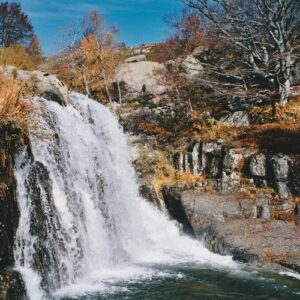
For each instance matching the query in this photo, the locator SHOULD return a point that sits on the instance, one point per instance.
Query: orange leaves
(13, 107)
(151, 128)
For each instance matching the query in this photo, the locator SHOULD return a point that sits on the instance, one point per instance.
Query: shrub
(14, 108)
(288, 112)
(153, 129)
(18, 57)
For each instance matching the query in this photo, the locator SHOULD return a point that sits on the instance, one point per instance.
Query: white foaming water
(82, 223)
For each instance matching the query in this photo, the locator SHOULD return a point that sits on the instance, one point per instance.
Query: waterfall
(82, 221)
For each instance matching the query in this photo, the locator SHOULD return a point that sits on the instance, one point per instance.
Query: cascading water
(82, 222)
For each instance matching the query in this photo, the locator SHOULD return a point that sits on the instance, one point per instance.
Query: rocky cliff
(11, 141)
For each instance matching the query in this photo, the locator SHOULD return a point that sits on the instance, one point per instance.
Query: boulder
(243, 101)
(201, 53)
(141, 77)
(233, 159)
(135, 59)
(238, 118)
(42, 84)
(258, 165)
(280, 166)
(188, 65)
(192, 66)
(230, 225)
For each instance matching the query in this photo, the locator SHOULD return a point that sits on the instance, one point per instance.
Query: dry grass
(288, 112)
(273, 137)
(14, 108)
(17, 56)
(216, 131)
(175, 178)
(156, 166)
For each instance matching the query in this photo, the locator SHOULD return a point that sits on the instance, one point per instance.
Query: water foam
(93, 227)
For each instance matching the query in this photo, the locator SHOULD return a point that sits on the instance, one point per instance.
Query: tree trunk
(285, 91)
(285, 75)
(86, 84)
(119, 92)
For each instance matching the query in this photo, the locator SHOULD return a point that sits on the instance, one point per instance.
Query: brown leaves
(14, 108)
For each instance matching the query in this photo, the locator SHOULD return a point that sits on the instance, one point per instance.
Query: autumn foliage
(14, 108)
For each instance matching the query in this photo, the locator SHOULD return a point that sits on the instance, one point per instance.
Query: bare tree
(265, 33)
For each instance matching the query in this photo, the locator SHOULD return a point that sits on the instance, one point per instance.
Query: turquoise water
(188, 282)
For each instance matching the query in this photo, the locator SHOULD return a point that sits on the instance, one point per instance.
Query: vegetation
(89, 59)
(156, 166)
(15, 26)
(15, 110)
(18, 57)
(264, 34)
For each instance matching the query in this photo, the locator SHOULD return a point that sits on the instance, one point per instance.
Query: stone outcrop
(235, 225)
(225, 167)
(40, 84)
(141, 77)
(11, 285)
(190, 66)
(11, 139)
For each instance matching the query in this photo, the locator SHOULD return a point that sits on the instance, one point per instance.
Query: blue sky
(139, 21)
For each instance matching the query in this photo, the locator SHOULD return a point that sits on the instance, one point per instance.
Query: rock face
(141, 77)
(225, 167)
(233, 225)
(42, 84)
(11, 140)
(11, 285)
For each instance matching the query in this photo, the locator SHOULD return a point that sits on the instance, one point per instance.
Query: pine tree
(15, 26)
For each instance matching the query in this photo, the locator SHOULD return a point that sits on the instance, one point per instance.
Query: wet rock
(258, 165)
(11, 139)
(12, 286)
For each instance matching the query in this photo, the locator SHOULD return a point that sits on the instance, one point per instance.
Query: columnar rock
(258, 165)
(233, 159)
(280, 168)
